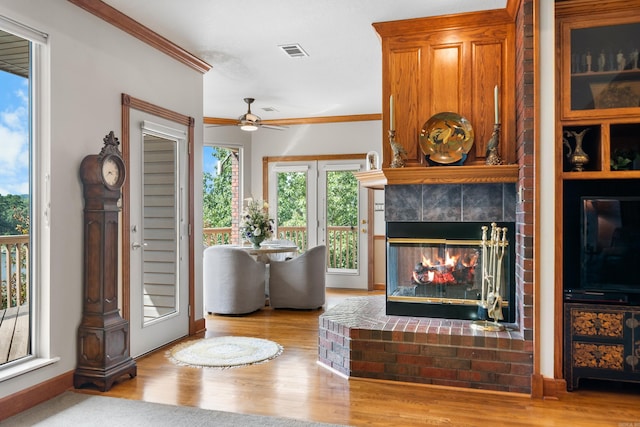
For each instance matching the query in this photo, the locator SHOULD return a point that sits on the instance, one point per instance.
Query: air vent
(293, 50)
(269, 109)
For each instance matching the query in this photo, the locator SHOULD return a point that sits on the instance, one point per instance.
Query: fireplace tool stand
(493, 250)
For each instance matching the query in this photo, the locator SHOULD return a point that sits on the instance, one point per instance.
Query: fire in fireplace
(436, 270)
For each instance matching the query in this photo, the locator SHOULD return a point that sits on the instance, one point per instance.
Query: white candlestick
(392, 118)
(495, 103)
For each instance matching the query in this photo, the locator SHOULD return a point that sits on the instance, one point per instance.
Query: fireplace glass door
(438, 271)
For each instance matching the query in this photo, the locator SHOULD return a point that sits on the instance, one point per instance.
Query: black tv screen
(610, 244)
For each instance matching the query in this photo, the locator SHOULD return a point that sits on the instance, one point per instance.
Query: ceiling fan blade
(274, 127)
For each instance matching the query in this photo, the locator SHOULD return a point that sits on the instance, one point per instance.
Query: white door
(326, 199)
(159, 236)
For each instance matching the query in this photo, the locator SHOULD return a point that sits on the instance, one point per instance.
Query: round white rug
(224, 352)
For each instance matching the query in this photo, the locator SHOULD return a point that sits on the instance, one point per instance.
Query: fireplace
(435, 268)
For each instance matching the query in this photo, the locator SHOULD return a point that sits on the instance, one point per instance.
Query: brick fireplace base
(357, 338)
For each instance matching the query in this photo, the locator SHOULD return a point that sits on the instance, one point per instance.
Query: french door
(320, 202)
(159, 252)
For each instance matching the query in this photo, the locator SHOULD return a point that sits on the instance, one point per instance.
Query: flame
(426, 262)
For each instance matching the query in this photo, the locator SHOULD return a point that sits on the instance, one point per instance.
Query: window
(23, 195)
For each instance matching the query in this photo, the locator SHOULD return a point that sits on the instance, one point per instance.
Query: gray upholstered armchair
(299, 282)
(234, 282)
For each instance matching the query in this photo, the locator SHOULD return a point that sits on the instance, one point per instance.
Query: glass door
(321, 203)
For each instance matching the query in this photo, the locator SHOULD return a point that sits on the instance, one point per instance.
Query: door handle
(136, 245)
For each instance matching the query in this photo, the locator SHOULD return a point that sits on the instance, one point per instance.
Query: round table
(262, 254)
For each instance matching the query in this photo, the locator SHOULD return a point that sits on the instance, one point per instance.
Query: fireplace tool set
(493, 251)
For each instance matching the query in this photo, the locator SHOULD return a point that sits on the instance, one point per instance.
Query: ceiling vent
(293, 50)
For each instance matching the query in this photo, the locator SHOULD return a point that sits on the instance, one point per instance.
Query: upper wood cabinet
(598, 84)
(599, 69)
(450, 63)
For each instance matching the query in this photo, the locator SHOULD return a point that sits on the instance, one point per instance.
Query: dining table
(262, 253)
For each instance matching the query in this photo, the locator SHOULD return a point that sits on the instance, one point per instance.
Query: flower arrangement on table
(256, 225)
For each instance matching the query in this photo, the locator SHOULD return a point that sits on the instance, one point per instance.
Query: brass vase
(577, 157)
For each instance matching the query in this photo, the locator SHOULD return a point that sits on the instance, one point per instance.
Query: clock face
(111, 171)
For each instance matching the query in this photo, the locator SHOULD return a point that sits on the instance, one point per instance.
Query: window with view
(18, 181)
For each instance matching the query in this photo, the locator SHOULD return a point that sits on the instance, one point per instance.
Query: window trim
(40, 195)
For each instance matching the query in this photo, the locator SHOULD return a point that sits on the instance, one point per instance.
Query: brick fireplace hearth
(358, 338)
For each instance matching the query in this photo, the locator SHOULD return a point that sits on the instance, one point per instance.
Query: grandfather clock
(103, 335)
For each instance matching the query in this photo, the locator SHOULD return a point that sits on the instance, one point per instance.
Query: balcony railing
(14, 272)
(342, 242)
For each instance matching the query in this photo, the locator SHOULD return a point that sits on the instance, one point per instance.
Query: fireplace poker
(484, 264)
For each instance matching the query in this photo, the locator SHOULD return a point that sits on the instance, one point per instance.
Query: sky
(14, 134)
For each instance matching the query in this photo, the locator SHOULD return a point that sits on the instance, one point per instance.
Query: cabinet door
(600, 70)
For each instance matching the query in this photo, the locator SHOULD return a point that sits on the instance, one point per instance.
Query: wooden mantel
(475, 174)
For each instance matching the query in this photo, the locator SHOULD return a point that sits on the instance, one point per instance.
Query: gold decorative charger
(446, 138)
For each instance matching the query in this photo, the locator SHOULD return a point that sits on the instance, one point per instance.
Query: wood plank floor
(14, 333)
(295, 386)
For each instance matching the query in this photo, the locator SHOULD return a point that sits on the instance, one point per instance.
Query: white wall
(91, 64)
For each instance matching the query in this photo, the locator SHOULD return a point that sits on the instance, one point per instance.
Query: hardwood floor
(295, 386)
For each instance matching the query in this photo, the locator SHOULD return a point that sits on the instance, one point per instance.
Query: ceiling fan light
(249, 127)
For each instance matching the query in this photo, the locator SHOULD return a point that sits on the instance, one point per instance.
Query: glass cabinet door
(601, 70)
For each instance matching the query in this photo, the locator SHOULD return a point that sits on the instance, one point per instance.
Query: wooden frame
(370, 237)
(129, 102)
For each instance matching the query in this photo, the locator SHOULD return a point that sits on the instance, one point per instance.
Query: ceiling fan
(250, 122)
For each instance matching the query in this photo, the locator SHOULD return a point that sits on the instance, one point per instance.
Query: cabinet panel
(601, 341)
(484, 74)
(404, 78)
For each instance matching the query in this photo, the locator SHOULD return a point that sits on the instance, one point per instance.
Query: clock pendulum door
(103, 335)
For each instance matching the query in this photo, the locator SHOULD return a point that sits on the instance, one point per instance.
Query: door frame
(128, 103)
(327, 157)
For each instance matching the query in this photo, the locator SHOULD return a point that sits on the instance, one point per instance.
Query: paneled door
(320, 202)
(159, 238)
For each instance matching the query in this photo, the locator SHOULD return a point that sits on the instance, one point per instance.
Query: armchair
(234, 282)
(299, 282)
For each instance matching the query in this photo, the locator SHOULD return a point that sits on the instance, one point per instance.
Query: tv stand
(602, 341)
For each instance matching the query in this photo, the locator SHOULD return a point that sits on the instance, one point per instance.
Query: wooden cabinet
(599, 86)
(601, 341)
(451, 63)
(597, 109)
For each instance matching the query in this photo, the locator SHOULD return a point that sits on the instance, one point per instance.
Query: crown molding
(139, 31)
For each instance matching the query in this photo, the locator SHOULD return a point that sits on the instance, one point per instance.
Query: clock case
(103, 335)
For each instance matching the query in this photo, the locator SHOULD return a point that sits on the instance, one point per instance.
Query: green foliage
(14, 215)
(216, 197)
(342, 199)
(292, 199)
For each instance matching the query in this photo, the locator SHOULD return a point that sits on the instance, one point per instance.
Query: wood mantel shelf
(476, 174)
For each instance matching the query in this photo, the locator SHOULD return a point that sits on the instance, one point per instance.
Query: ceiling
(240, 39)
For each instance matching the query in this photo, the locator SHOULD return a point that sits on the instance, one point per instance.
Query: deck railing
(342, 242)
(14, 272)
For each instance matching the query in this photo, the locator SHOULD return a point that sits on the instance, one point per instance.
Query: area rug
(224, 352)
(75, 409)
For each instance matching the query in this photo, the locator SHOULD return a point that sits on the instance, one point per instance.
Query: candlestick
(495, 103)
(392, 118)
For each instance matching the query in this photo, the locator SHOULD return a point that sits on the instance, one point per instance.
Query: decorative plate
(446, 138)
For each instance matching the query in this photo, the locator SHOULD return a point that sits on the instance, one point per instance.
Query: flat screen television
(610, 246)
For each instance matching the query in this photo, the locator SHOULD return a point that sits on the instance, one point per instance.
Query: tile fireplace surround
(357, 338)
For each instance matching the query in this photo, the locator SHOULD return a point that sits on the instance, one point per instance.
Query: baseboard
(554, 388)
(547, 388)
(32, 396)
